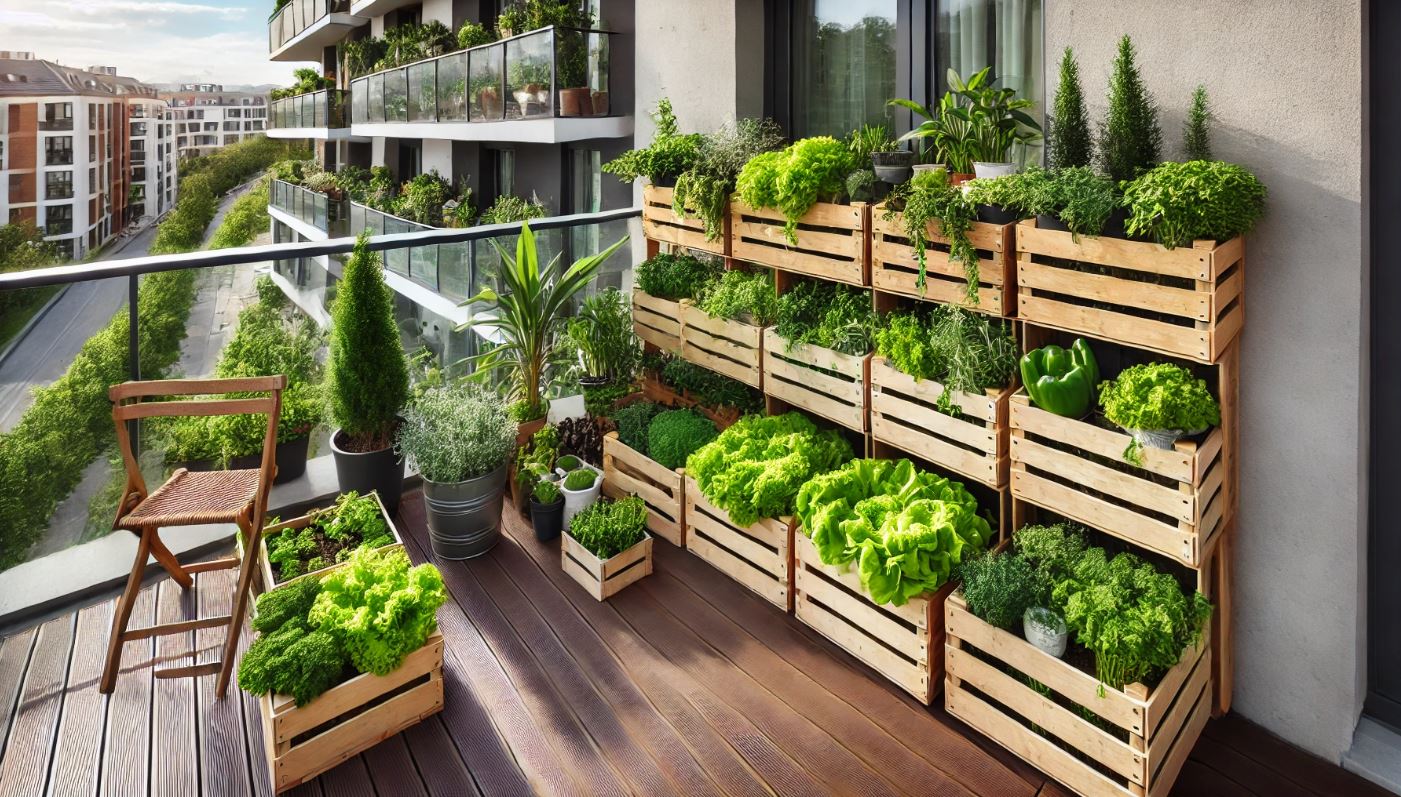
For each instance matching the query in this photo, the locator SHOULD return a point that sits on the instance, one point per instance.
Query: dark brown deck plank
(439, 765)
(126, 751)
(392, 769)
(14, 659)
(175, 756)
(258, 772)
(77, 760)
(25, 769)
(616, 735)
(350, 779)
(223, 755)
(1309, 771)
(1223, 759)
(1198, 780)
(489, 715)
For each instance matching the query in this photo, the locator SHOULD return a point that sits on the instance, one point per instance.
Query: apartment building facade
(206, 117)
(68, 137)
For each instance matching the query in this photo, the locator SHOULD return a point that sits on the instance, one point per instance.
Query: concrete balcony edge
(547, 130)
(328, 30)
(316, 133)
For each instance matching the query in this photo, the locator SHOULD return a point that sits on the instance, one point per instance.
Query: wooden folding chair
(191, 498)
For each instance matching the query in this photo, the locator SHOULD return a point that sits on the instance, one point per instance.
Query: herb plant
(456, 433)
(353, 521)
(962, 350)
(580, 479)
(670, 153)
(675, 276)
(508, 209)
(705, 188)
(602, 333)
(607, 528)
(632, 422)
(999, 588)
(827, 314)
(710, 388)
(545, 492)
(1069, 126)
(755, 468)
(1178, 203)
(676, 434)
(1129, 136)
(747, 296)
(379, 608)
(599, 399)
(1196, 137)
(1159, 396)
(792, 180)
(929, 197)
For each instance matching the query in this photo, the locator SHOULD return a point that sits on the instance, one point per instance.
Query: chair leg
(123, 614)
(252, 535)
(169, 562)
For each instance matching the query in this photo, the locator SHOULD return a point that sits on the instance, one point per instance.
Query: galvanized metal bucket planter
(464, 518)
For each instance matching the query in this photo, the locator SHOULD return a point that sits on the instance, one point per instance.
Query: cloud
(152, 7)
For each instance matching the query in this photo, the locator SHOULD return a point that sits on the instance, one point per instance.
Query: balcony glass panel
(452, 88)
(297, 16)
(360, 101)
(529, 68)
(396, 96)
(376, 98)
(423, 92)
(485, 81)
(454, 270)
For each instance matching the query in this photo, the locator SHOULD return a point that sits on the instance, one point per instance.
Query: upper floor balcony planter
(547, 86)
(301, 28)
(315, 215)
(321, 115)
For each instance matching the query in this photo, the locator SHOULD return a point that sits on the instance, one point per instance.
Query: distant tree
(1069, 125)
(1196, 137)
(1129, 136)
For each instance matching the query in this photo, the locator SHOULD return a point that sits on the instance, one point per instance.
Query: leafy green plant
(607, 528)
(351, 522)
(826, 314)
(546, 492)
(599, 399)
(1196, 136)
(602, 333)
(999, 588)
(292, 602)
(929, 197)
(710, 388)
(367, 375)
(474, 34)
(792, 180)
(508, 209)
(295, 660)
(1178, 203)
(961, 350)
(675, 434)
(455, 433)
(671, 276)
(747, 296)
(907, 530)
(379, 608)
(536, 459)
(975, 121)
(756, 467)
(421, 199)
(704, 189)
(633, 422)
(580, 479)
(1052, 550)
(568, 463)
(582, 436)
(1129, 136)
(669, 154)
(1069, 124)
(1159, 396)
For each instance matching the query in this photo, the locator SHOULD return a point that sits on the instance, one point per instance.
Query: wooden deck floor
(682, 684)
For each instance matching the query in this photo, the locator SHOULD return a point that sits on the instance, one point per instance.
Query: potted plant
(608, 546)
(580, 488)
(546, 510)
(242, 435)
(609, 350)
(367, 380)
(975, 125)
(1178, 203)
(567, 463)
(669, 154)
(1046, 630)
(461, 440)
(1157, 404)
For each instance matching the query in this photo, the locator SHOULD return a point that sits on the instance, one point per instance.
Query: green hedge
(70, 422)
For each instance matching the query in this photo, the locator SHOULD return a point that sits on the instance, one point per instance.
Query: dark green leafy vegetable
(632, 422)
(826, 314)
(607, 528)
(674, 435)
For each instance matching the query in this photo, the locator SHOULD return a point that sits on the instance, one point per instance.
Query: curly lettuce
(379, 608)
(907, 530)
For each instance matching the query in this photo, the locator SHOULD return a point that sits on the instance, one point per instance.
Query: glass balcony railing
(309, 207)
(319, 109)
(551, 72)
(297, 16)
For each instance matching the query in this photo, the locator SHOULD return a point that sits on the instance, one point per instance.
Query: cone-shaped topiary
(367, 377)
(1196, 139)
(1129, 136)
(1069, 123)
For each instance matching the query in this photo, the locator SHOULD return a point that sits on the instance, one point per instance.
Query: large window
(58, 220)
(58, 151)
(843, 64)
(58, 185)
(57, 116)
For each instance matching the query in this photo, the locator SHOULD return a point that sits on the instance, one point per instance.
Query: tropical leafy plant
(1069, 124)
(674, 435)
(1159, 396)
(673, 276)
(1178, 203)
(607, 528)
(792, 180)
(367, 375)
(1129, 136)
(742, 296)
(827, 314)
(975, 121)
(457, 432)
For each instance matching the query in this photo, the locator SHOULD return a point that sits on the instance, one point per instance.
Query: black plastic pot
(381, 470)
(290, 458)
(593, 381)
(664, 182)
(1114, 225)
(547, 519)
(893, 167)
(996, 214)
(1048, 222)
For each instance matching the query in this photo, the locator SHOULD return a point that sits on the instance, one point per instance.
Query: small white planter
(1046, 630)
(988, 170)
(928, 167)
(576, 500)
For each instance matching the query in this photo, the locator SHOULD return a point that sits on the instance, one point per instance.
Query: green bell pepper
(1059, 380)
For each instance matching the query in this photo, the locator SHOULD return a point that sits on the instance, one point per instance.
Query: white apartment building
(206, 117)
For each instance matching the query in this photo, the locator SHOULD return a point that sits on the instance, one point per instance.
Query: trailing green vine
(929, 197)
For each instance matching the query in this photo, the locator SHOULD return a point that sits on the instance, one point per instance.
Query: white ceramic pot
(988, 170)
(576, 500)
(1046, 630)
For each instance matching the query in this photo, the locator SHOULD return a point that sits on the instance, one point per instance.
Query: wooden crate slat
(893, 667)
(831, 241)
(759, 556)
(1147, 494)
(1184, 262)
(732, 348)
(865, 616)
(1166, 775)
(793, 376)
(627, 472)
(1102, 288)
(1174, 463)
(660, 223)
(895, 268)
(605, 578)
(1167, 729)
(657, 321)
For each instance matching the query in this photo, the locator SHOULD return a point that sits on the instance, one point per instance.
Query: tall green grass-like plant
(1069, 124)
(368, 375)
(1129, 136)
(1196, 137)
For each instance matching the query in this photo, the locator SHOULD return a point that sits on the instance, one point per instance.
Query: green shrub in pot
(1068, 125)
(602, 333)
(669, 154)
(1129, 136)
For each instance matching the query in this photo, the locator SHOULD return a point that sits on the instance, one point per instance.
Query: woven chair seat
(190, 498)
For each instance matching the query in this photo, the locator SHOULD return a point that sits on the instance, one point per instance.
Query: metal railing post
(133, 345)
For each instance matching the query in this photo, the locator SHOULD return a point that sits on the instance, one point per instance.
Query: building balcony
(517, 89)
(313, 214)
(321, 115)
(303, 27)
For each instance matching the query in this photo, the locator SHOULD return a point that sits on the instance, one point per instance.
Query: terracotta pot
(600, 103)
(959, 178)
(489, 101)
(526, 429)
(575, 102)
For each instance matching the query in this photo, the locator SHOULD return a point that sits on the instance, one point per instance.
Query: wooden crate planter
(301, 742)
(831, 241)
(660, 223)
(759, 556)
(904, 415)
(658, 393)
(732, 348)
(656, 321)
(895, 268)
(265, 573)
(1153, 729)
(604, 578)
(905, 644)
(627, 472)
(1112, 288)
(822, 381)
(1176, 503)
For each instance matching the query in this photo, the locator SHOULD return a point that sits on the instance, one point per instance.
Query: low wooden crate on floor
(759, 556)
(1175, 504)
(627, 472)
(905, 644)
(660, 223)
(904, 415)
(732, 348)
(301, 742)
(1153, 730)
(265, 573)
(831, 241)
(656, 321)
(895, 268)
(824, 382)
(604, 578)
(1186, 302)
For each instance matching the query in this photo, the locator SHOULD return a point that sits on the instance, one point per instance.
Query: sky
(157, 41)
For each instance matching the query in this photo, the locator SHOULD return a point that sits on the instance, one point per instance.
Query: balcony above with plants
(299, 29)
(310, 108)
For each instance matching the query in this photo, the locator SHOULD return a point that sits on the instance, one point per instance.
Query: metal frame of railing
(298, 15)
(327, 109)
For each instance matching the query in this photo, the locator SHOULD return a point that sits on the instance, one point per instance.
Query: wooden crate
(603, 578)
(1175, 504)
(832, 241)
(1153, 729)
(903, 415)
(759, 556)
(265, 574)
(658, 393)
(660, 223)
(627, 472)
(1112, 288)
(905, 644)
(732, 348)
(895, 269)
(656, 321)
(824, 382)
(301, 742)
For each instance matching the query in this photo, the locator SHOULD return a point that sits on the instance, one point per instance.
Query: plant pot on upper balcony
(575, 102)
(489, 101)
(600, 103)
